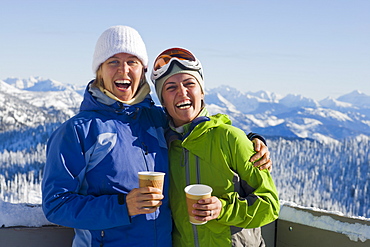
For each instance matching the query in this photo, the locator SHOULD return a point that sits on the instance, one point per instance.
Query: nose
(182, 89)
(123, 69)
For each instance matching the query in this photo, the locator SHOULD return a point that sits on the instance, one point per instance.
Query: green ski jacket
(214, 153)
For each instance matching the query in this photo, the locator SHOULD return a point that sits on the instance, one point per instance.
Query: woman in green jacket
(209, 150)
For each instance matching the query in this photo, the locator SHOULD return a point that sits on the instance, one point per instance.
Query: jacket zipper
(102, 233)
(187, 167)
(197, 168)
(187, 174)
(186, 164)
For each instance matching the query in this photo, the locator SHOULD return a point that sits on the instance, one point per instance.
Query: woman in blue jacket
(90, 180)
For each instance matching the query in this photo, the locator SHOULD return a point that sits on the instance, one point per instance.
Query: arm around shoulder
(255, 201)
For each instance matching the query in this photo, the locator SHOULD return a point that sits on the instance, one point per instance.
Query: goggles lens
(166, 56)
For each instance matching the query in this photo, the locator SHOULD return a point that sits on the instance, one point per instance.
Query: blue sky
(316, 48)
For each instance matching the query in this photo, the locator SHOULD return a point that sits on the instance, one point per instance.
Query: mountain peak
(356, 98)
(21, 83)
(297, 100)
(330, 102)
(38, 84)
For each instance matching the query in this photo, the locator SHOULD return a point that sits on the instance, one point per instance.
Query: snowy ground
(32, 216)
(21, 215)
(293, 213)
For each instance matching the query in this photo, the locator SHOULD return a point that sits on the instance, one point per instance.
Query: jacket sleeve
(63, 180)
(252, 135)
(255, 201)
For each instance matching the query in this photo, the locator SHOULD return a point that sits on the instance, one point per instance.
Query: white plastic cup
(194, 193)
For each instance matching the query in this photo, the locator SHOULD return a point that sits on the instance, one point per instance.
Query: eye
(133, 62)
(170, 87)
(190, 83)
(113, 62)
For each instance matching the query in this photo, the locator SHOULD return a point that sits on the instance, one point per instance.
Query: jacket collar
(186, 129)
(95, 100)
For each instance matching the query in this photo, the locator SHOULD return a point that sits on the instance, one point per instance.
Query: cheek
(199, 97)
(106, 74)
(137, 72)
(164, 101)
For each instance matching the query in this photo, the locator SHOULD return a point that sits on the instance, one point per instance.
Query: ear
(143, 73)
(202, 100)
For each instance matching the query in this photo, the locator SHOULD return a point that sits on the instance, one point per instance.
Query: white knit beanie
(119, 39)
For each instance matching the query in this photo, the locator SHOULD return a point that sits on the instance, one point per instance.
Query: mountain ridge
(263, 112)
(293, 115)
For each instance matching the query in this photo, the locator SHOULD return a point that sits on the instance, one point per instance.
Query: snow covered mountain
(294, 115)
(35, 101)
(39, 84)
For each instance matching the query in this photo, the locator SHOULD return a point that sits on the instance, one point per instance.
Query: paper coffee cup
(194, 193)
(151, 179)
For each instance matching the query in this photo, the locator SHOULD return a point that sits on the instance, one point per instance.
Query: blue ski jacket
(92, 163)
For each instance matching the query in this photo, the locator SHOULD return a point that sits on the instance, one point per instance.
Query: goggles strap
(182, 66)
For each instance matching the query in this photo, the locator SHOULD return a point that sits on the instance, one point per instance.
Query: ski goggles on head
(182, 57)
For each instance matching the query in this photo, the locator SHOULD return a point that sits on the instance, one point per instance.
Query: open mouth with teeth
(184, 104)
(122, 84)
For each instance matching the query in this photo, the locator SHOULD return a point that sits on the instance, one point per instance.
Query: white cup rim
(205, 189)
(149, 173)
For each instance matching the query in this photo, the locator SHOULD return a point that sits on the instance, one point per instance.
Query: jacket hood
(197, 127)
(203, 126)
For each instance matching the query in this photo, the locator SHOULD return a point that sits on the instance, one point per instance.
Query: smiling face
(182, 97)
(121, 75)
